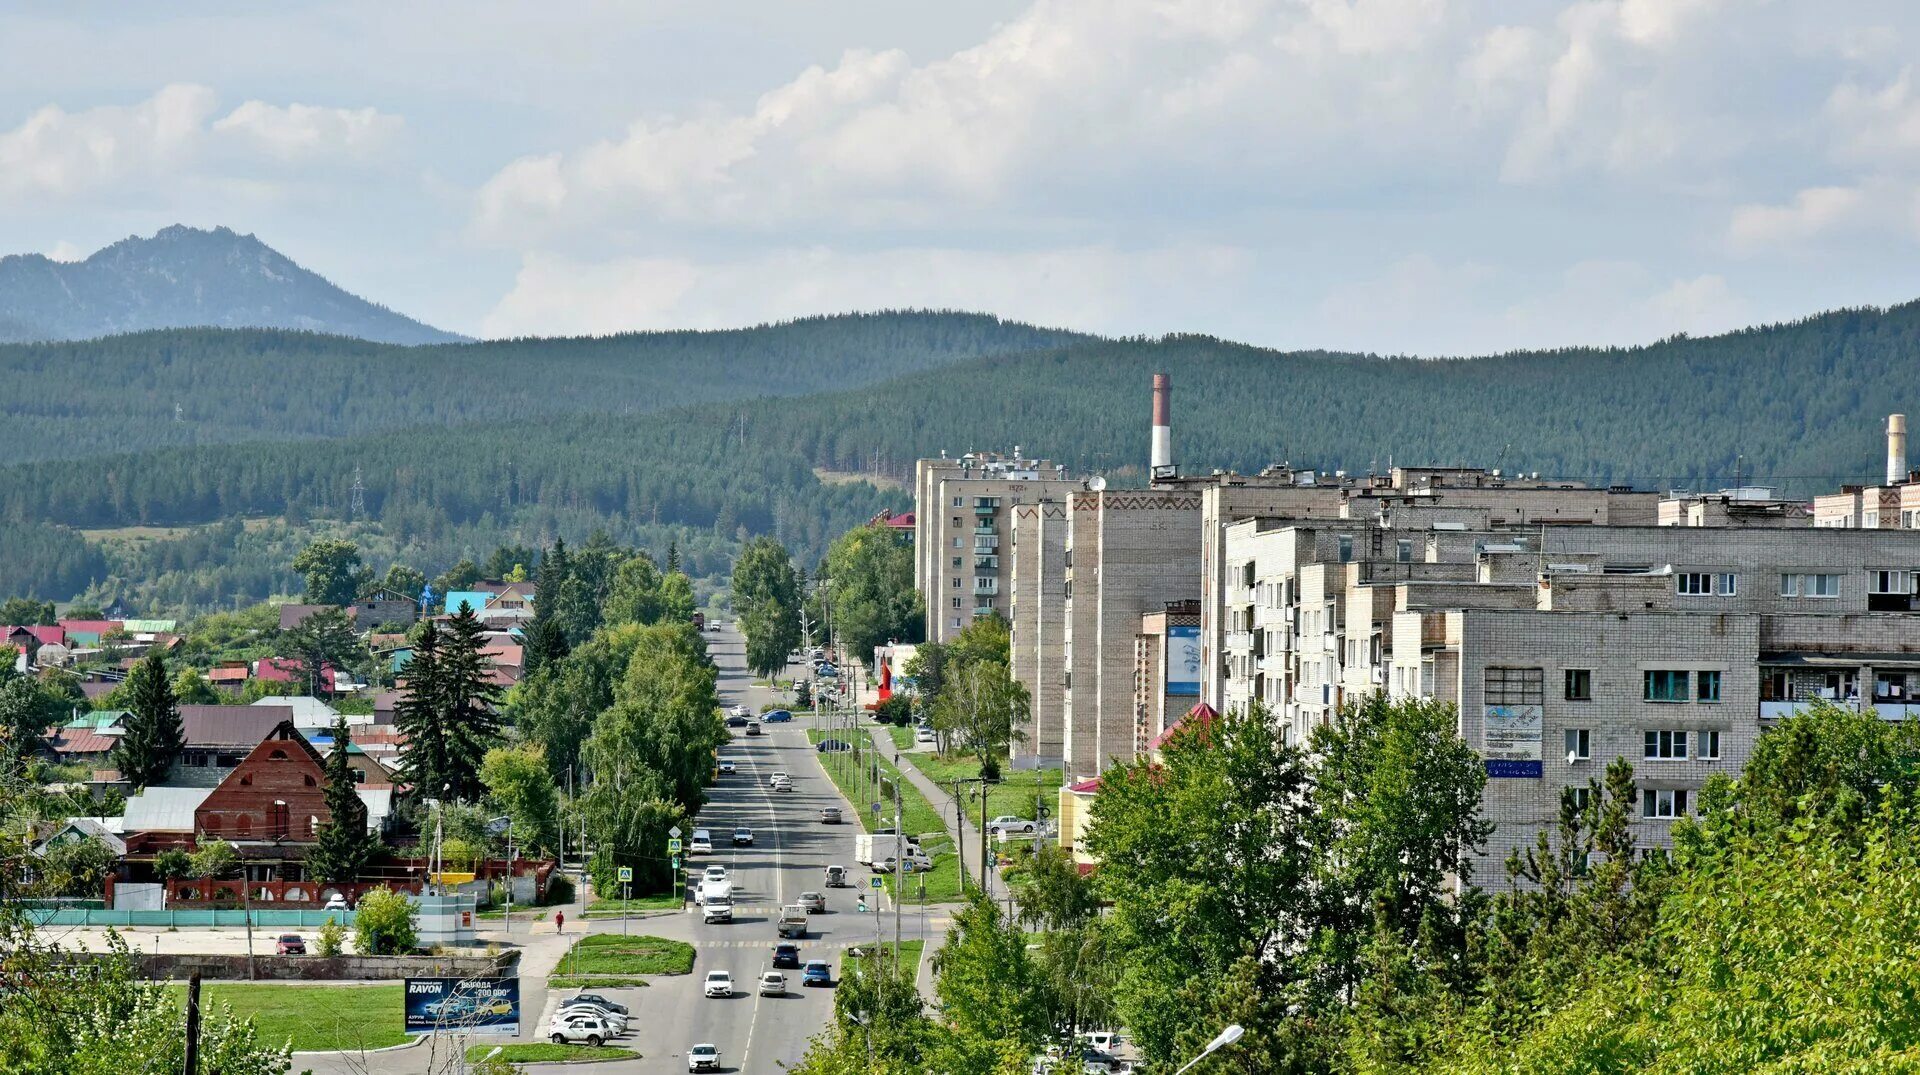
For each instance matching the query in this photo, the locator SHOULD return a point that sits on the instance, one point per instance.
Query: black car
(736, 722)
(786, 955)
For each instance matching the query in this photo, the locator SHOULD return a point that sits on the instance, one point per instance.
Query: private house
(294, 670)
(477, 600)
(90, 632)
(311, 713)
(219, 737)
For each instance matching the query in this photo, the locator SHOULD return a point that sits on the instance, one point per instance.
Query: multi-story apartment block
(963, 511)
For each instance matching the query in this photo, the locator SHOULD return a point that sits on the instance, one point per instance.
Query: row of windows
(1794, 584)
(1661, 745)
(1527, 686)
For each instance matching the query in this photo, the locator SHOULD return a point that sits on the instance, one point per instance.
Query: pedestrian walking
(559, 921)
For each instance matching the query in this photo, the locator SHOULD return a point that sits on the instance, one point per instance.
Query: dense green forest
(1799, 406)
(120, 394)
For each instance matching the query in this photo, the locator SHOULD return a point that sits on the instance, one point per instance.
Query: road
(790, 852)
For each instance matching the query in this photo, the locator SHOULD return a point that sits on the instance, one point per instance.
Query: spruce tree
(449, 711)
(153, 736)
(343, 846)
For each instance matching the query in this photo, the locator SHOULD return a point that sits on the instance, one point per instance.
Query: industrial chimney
(1896, 448)
(1163, 425)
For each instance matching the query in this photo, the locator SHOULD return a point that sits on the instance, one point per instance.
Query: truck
(870, 846)
(793, 921)
(716, 901)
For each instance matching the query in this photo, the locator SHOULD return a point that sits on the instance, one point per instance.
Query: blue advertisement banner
(478, 1005)
(1183, 661)
(1499, 768)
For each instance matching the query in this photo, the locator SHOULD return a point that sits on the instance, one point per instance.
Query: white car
(579, 1026)
(923, 735)
(335, 902)
(726, 767)
(716, 874)
(779, 778)
(612, 1018)
(703, 1058)
(773, 984)
(719, 984)
(701, 844)
(740, 711)
(1008, 823)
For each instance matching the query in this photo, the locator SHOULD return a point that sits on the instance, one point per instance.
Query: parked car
(833, 746)
(726, 767)
(837, 877)
(336, 902)
(739, 711)
(704, 1057)
(816, 972)
(923, 735)
(613, 1006)
(579, 1026)
(719, 984)
(829, 815)
(915, 862)
(773, 984)
(737, 722)
(1008, 823)
(786, 954)
(753, 727)
(701, 843)
(1105, 1041)
(742, 836)
(612, 1018)
(290, 944)
(814, 902)
(778, 716)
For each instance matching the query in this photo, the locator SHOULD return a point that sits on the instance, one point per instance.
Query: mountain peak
(185, 277)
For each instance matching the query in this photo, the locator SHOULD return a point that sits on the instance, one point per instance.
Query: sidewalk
(967, 836)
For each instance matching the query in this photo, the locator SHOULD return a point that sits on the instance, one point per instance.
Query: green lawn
(594, 981)
(919, 818)
(548, 1053)
(1013, 795)
(311, 1016)
(902, 736)
(612, 953)
(910, 952)
(666, 901)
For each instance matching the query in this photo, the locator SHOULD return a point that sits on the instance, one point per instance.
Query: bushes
(383, 924)
(332, 935)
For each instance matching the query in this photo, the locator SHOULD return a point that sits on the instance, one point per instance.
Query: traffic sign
(675, 831)
(675, 861)
(875, 881)
(673, 846)
(626, 874)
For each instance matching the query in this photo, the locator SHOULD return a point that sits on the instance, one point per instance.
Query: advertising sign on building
(1513, 740)
(1183, 661)
(470, 1005)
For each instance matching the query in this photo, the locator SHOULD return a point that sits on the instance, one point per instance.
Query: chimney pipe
(1162, 423)
(1896, 449)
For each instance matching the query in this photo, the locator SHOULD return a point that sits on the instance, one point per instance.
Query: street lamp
(1220, 1041)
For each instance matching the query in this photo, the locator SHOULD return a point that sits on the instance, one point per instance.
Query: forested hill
(208, 386)
(186, 276)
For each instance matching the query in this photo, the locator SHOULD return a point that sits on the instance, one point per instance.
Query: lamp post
(1220, 1041)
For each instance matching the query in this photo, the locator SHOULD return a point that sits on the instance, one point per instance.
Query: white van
(701, 844)
(716, 901)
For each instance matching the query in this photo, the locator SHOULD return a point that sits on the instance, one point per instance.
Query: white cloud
(1814, 212)
(173, 135)
(1119, 290)
(298, 131)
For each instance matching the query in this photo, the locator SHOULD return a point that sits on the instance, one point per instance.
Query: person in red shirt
(559, 921)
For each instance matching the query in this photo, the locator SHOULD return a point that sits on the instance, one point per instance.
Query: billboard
(1512, 740)
(1183, 661)
(475, 1005)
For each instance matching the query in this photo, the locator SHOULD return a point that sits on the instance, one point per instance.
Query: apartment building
(963, 511)
(1037, 614)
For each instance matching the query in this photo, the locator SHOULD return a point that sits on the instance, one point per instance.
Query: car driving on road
(837, 877)
(742, 836)
(773, 984)
(719, 984)
(715, 874)
(726, 767)
(701, 844)
(290, 944)
(816, 973)
(814, 902)
(703, 1057)
(786, 954)
(739, 711)
(829, 815)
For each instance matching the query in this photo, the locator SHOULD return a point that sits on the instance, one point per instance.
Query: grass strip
(310, 1017)
(594, 981)
(549, 1053)
(666, 901)
(639, 953)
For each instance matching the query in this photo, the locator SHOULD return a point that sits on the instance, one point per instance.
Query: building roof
(474, 599)
(1200, 716)
(80, 741)
(149, 627)
(163, 808)
(91, 689)
(231, 725)
(54, 635)
(90, 627)
(292, 616)
(308, 711)
(1085, 787)
(106, 830)
(97, 720)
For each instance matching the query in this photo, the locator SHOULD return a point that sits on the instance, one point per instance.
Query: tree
(518, 783)
(984, 707)
(448, 711)
(772, 634)
(343, 845)
(676, 598)
(325, 639)
(214, 860)
(173, 863)
(383, 924)
(191, 688)
(460, 576)
(152, 736)
(764, 572)
(332, 571)
(867, 591)
(27, 710)
(26, 612)
(506, 559)
(988, 986)
(403, 582)
(635, 596)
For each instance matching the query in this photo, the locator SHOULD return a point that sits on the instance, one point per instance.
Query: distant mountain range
(186, 277)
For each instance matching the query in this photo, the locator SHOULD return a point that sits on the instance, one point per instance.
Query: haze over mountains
(185, 277)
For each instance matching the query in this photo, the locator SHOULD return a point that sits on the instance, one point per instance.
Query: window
(1579, 684)
(1789, 586)
(1516, 686)
(1776, 686)
(1693, 583)
(1580, 797)
(956, 584)
(956, 542)
(359, 775)
(956, 522)
(959, 500)
(1727, 584)
(1663, 802)
(1666, 745)
(1403, 550)
(1579, 744)
(1889, 582)
(1665, 685)
(1346, 548)
(956, 561)
(956, 604)
(1708, 744)
(277, 755)
(1708, 686)
(1821, 585)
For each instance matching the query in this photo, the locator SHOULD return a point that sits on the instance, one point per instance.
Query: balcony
(1239, 640)
(985, 509)
(987, 542)
(986, 587)
(986, 563)
(984, 610)
(1273, 663)
(1883, 710)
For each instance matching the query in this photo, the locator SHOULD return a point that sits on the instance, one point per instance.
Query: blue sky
(1409, 176)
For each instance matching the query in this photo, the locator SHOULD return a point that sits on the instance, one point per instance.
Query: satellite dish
(1096, 483)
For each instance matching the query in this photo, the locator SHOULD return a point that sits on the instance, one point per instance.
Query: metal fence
(186, 919)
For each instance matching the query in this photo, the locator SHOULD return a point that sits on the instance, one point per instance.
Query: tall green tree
(153, 736)
(325, 639)
(27, 711)
(403, 582)
(448, 711)
(343, 845)
(26, 612)
(866, 592)
(989, 989)
(332, 570)
(984, 707)
(635, 596)
(519, 784)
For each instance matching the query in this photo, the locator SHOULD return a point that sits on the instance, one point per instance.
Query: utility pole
(193, 1023)
(898, 890)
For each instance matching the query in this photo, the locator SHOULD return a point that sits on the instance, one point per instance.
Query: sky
(1432, 177)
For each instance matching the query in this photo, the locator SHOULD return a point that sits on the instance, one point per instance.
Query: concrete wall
(269, 967)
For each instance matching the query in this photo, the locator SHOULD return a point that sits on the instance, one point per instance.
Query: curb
(415, 1040)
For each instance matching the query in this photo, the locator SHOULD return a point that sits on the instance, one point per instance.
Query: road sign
(674, 861)
(675, 831)
(875, 881)
(673, 846)
(626, 874)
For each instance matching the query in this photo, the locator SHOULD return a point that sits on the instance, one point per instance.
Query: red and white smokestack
(1162, 422)
(1896, 448)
